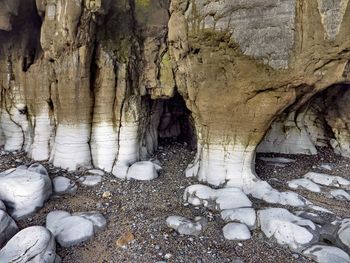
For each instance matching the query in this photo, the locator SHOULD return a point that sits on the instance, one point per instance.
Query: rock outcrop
(84, 83)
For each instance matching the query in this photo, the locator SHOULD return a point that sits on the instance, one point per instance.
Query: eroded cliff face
(83, 82)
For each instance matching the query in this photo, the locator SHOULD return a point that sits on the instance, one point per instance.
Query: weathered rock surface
(82, 82)
(25, 189)
(304, 183)
(245, 216)
(70, 230)
(287, 228)
(32, 244)
(185, 226)
(236, 231)
(220, 199)
(90, 180)
(326, 254)
(343, 234)
(328, 180)
(8, 228)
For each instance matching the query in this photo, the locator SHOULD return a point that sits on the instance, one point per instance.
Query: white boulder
(70, 230)
(142, 171)
(304, 183)
(185, 226)
(219, 199)
(328, 180)
(236, 231)
(245, 216)
(326, 254)
(63, 185)
(90, 180)
(287, 228)
(24, 190)
(33, 244)
(340, 194)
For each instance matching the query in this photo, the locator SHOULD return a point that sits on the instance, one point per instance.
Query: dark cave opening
(176, 123)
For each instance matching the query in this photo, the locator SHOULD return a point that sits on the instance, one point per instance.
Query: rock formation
(87, 83)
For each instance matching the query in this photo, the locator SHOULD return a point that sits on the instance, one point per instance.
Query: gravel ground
(137, 210)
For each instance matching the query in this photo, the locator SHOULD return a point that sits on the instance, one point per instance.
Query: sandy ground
(139, 209)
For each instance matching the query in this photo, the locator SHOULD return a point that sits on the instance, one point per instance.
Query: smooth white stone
(236, 231)
(287, 228)
(340, 194)
(262, 190)
(70, 230)
(90, 180)
(245, 216)
(328, 180)
(185, 226)
(25, 190)
(142, 171)
(326, 254)
(220, 199)
(304, 183)
(63, 185)
(33, 244)
(326, 167)
(96, 218)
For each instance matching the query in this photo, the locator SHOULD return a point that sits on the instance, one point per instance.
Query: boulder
(236, 231)
(63, 185)
(218, 199)
(32, 244)
(287, 228)
(326, 254)
(23, 190)
(142, 171)
(185, 226)
(70, 230)
(245, 216)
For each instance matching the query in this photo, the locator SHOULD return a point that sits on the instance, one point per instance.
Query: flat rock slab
(305, 184)
(142, 171)
(245, 216)
(70, 230)
(23, 189)
(185, 226)
(236, 231)
(316, 218)
(90, 180)
(339, 194)
(326, 254)
(32, 244)
(262, 190)
(218, 199)
(8, 228)
(328, 180)
(287, 228)
(63, 185)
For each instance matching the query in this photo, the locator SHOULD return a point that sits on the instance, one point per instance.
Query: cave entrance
(320, 122)
(175, 123)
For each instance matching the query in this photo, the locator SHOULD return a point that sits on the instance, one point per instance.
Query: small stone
(125, 239)
(168, 256)
(107, 194)
(90, 180)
